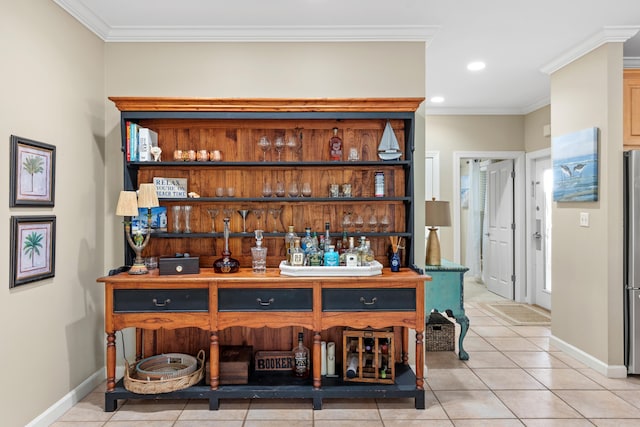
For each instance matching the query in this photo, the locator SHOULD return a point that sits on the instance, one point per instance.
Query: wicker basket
(139, 386)
(439, 333)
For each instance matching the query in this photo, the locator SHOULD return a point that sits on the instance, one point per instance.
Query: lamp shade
(127, 204)
(437, 213)
(147, 196)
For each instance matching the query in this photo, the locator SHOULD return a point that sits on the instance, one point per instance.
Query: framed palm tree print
(32, 251)
(32, 172)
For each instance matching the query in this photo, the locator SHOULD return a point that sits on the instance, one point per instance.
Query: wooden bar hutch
(197, 317)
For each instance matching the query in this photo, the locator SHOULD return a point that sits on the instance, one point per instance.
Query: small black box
(179, 265)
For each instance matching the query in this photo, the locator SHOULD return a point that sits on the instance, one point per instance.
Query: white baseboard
(610, 371)
(56, 410)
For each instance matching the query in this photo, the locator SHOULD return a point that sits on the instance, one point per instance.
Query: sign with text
(171, 188)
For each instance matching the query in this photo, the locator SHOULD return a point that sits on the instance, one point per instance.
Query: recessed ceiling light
(476, 66)
(437, 99)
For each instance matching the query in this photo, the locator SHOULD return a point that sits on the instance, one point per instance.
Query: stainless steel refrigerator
(632, 260)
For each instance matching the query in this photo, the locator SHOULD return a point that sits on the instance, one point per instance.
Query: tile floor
(513, 378)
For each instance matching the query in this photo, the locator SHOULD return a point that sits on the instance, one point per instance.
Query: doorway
(512, 281)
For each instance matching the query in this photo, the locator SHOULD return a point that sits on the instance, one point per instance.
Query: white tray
(371, 270)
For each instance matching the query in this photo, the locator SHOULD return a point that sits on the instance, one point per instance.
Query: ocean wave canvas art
(575, 166)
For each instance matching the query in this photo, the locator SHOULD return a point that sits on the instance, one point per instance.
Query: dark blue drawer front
(368, 300)
(150, 300)
(265, 299)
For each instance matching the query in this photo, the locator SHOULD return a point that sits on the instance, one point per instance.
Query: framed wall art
(32, 172)
(575, 166)
(32, 251)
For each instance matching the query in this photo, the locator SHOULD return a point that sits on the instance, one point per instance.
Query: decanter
(226, 264)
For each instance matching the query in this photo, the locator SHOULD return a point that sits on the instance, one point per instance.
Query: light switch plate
(584, 219)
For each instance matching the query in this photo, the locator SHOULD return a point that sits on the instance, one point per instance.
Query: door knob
(537, 235)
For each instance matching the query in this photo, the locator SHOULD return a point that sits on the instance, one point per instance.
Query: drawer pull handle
(364, 301)
(265, 303)
(161, 304)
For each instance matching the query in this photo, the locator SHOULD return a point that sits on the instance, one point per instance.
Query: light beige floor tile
(598, 404)
(208, 423)
(535, 359)
(508, 379)
(629, 383)
(568, 360)
(493, 331)
(557, 423)
(91, 408)
(348, 409)
(542, 342)
(557, 379)
(138, 410)
(288, 422)
(489, 423)
(228, 410)
(483, 321)
(443, 359)
(454, 379)
(512, 344)
(532, 331)
(489, 359)
(77, 424)
(631, 396)
(609, 422)
(472, 344)
(416, 423)
(536, 404)
(346, 423)
(476, 404)
(280, 409)
(139, 423)
(404, 409)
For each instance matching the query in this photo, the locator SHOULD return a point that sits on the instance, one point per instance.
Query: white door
(499, 257)
(541, 239)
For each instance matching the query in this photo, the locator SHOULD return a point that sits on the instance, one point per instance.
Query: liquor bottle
(368, 345)
(288, 242)
(352, 369)
(351, 256)
(306, 240)
(297, 255)
(335, 146)
(367, 254)
(331, 257)
(226, 264)
(327, 234)
(344, 247)
(300, 358)
(312, 254)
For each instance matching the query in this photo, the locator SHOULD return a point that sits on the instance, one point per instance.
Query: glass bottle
(300, 358)
(361, 251)
(313, 254)
(259, 254)
(367, 254)
(327, 234)
(331, 257)
(344, 247)
(297, 255)
(306, 240)
(226, 264)
(288, 242)
(335, 146)
(351, 256)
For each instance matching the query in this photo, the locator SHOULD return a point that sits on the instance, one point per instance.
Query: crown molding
(471, 111)
(607, 35)
(85, 16)
(632, 62)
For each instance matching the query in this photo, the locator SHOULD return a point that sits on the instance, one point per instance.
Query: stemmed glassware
(372, 222)
(258, 212)
(243, 213)
(266, 190)
(265, 145)
(358, 223)
(346, 221)
(292, 144)
(275, 214)
(213, 213)
(279, 146)
(228, 213)
(293, 189)
(384, 223)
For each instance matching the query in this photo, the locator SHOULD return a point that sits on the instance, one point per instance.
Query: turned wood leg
(419, 360)
(464, 327)
(405, 346)
(317, 363)
(214, 359)
(111, 361)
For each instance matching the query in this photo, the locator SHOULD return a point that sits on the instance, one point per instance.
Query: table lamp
(128, 205)
(436, 214)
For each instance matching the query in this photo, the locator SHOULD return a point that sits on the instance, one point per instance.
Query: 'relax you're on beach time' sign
(575, 166)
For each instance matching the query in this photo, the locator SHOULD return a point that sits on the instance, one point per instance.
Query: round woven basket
(144, 386)
(165, 366)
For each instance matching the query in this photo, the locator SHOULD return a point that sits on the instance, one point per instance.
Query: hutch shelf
(233, 127)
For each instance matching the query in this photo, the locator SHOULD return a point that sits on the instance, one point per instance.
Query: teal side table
(444, 293)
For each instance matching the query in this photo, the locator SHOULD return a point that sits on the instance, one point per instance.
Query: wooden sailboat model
(389, 149)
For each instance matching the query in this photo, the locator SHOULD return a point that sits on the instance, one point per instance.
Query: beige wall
(534, 123)
(52, 91)
(587, 262)
(447, 134)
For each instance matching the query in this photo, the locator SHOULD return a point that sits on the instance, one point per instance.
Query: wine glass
(346, 221)
(279, 146)
(243, 213)
(293, 189)
(372, 222)
(275, 214)
(358, 223)
(292, 144)
(228, 213)
(213, 213)
(385, 223)
(266, 190)
(265, 145)
(258, 212)
(306, 189)
(280, 189)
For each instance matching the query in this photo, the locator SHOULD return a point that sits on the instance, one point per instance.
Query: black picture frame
(32, 173)
(33, 249)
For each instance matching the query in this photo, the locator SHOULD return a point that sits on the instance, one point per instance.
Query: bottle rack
(374, 352)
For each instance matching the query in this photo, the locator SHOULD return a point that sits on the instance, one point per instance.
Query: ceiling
(521, 42)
